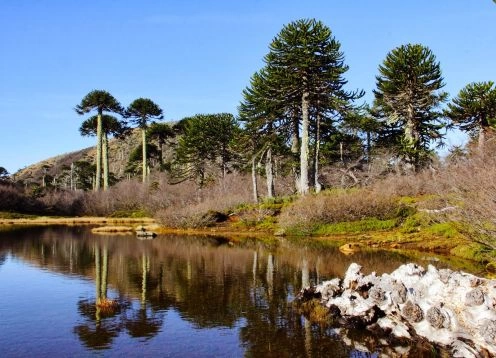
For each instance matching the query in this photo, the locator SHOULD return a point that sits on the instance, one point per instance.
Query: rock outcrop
(452, 309)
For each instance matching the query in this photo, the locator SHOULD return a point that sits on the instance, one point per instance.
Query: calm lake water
(178, 296)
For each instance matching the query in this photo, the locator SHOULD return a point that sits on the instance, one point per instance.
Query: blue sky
(197, 56)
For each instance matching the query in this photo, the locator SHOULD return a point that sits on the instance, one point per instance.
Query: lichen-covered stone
(435, 317)
(474, 297)
(489, 331)
(331, 290)
(398, 292)
(376, 294)
(412, 312)
(444, 275)
(475, 281)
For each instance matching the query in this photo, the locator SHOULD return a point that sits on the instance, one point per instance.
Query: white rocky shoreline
(455, 310)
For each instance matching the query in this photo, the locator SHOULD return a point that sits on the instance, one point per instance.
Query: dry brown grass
(190, 207)
(338, 206)
(43, 220)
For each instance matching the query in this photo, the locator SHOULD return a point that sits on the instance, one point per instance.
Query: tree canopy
(101, 101)
(474, 109)
(141, 111)
(408, 93)
(207, 141)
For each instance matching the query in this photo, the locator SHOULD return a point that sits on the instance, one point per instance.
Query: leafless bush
(473, 186)
(62, 202)
(13, 199)
(190, 207)
(338, 206)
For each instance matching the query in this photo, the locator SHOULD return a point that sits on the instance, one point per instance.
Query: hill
(57, 169)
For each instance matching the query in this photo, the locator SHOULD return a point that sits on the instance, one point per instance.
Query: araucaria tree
(207, 141)
(409, 94)
(474, 110)
(110, 126)
(142, 110)
(305, 67)
(101, 101)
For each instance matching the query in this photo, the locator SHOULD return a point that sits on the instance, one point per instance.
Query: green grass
(353, 227)
(10, 215)
(129, 214)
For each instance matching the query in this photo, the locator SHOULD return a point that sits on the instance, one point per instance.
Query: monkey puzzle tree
(207, 139)
(262, 114)
(161, 132)
(110, 126)
(306, 66)
(474, 110)
(101, 101)
(142, 110)
(408, 93)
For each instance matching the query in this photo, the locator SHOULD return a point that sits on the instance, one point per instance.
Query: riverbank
(420, 242)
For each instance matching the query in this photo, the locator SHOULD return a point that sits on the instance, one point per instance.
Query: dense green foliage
(141, 111)
(101, 101)
(474, 109)
(207, 139)
(408, 95)
(300, 87)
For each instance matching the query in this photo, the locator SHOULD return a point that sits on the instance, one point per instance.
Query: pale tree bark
(105, 162)
(269, 172)
(318, 186)
(254, 178)
(99, 132)
(145, 171)
(295, 147)
(304, 144)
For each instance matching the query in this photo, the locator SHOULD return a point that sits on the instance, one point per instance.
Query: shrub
(338, 206)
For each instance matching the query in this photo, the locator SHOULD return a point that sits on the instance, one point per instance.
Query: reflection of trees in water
(273, 328)
(103, 322)
(3, 258)
(145, 322)
(209, 282)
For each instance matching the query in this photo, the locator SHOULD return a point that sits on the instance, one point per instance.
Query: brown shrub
(338, 206)
(189, 206)
(472, 185)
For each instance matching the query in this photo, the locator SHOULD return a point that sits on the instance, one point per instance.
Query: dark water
(177, 296)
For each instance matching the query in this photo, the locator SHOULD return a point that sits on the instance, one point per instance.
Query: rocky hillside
(58, 167)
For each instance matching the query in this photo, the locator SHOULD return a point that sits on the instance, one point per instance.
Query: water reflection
(208, 282)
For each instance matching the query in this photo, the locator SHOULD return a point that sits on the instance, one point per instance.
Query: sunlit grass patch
(360, 226)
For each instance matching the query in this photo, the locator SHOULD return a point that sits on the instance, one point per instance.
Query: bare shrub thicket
(13, 199)
(189, 206)
(337, 206)
(62, 202)
(472, 186)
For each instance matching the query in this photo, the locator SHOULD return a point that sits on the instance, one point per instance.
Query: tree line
(296, 116)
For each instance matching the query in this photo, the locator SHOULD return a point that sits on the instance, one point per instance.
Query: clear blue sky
(197, 56)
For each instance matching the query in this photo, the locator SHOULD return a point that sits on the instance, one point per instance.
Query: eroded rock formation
(453, 309)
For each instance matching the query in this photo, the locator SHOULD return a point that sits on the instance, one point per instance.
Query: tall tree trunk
(295, 147)
(269, 172)
(254, 178)
(318, 187)
(304, 144)
(105, 162)
(99, 131)
(369, 146)
(145, 171)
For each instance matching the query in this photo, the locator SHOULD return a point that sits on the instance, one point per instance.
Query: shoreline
(348, 243)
